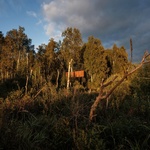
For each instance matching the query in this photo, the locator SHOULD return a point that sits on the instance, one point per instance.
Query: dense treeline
(38, 112)
(50, 62)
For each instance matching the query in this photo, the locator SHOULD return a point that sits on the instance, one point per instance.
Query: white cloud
(54, 32)
(60, 14)
(39, 22)
(107, 20)
(32, 13)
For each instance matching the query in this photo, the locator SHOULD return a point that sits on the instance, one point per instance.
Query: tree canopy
(95, 61)
(50, 61)
(71, 46)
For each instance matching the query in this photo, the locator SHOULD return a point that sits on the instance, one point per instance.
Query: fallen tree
(103, 95)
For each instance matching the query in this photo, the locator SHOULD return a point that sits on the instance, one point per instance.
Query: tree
(102, 93)
(14, 51)
(120, 59)
(39, 70)
(48, 57)
(109, 60)
(95, 62)
(141, 81)
(71, 47)
(1, 40)
(1, 45)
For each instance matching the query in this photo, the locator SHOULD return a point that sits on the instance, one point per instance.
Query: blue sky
(25, 13)
(112, 21)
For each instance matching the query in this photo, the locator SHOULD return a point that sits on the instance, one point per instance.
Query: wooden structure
(76, 74)
(73, 74)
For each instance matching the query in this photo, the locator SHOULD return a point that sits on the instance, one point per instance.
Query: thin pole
(131, 49)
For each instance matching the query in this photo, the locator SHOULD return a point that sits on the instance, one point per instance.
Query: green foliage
(95, 61)
(13, 53)
(49, 57)
(141, 81)
(78, 86)
(49, 63)
(71, 47)
(39, 133)
(1, 42)
(120, 59)
(121, 92)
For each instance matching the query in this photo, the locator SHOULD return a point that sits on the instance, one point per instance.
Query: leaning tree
(104, 95)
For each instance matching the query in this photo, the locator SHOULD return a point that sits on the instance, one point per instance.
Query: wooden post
(131, 49)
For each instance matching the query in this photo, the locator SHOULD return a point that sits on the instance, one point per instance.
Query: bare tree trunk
(69, 70)
(26, 86)
(58, 72)
(27, 76)
(18, 61)
(102, 95)
(35, 75)
(1, 113)
(7, 75)
(39, 92)
(2, 76)
(99, 98)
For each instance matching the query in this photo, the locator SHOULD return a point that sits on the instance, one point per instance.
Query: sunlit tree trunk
(69, 71)
(57, 78)
(18, 60)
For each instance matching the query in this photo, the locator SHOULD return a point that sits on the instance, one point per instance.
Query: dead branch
(39, 91)
(102, 95)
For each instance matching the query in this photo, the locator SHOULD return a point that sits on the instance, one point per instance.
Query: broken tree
(102, 95)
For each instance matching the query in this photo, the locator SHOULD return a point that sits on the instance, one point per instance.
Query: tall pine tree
(95, 61)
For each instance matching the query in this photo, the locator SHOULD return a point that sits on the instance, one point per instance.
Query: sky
(112, 21)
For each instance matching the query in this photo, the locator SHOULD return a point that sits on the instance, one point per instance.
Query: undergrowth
(62, 122)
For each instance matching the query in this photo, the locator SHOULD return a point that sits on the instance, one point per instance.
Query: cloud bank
(111, 21)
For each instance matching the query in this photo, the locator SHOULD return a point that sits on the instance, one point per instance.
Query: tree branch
(101, 93)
